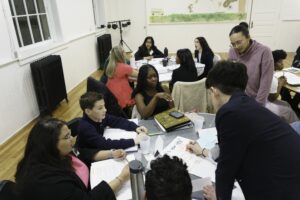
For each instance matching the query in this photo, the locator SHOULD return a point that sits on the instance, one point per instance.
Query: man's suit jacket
(257, 149)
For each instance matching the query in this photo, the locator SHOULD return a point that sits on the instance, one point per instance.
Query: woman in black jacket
(49, 171)
(204, 55)
(187, 71)
(148, 50)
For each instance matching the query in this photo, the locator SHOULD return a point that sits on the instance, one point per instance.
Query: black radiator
(104, 47)
(49, 83)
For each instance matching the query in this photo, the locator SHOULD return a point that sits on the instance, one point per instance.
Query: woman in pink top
(50, 171)
(118, 73)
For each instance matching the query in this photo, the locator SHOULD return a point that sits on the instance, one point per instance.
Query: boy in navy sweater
(94, 121)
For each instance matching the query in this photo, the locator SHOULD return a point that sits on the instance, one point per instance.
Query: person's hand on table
(139, 137)
(141, 129)
(124, 175)
(282, 81)
(195, 148)
(209, 192)
(119, 154)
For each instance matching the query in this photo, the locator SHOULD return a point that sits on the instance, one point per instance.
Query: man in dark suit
(257, 148)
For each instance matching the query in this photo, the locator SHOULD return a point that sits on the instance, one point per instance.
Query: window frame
(34, 51)
(14, 19)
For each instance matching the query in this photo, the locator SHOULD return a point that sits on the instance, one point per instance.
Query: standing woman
(50, 171)
(150, 97)
(204, 55)
(148, 50)
(118, 73)
(187, 71)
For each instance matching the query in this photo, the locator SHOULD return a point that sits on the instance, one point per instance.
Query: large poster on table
(195, 11)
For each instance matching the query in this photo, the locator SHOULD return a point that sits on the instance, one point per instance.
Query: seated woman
(50, 171)
(148, 50)
(118, 73)
(150, 97)
(204, 55)
(279, 56)
(279, 107)
(187, 71)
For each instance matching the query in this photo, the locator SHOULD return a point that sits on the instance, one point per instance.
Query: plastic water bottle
(166, 52)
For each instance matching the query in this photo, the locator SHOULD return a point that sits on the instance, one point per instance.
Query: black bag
(296, 61)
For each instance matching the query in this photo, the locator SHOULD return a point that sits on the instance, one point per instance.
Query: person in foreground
(94, 121)
(49, 170)
(257, 148)
(168, 179)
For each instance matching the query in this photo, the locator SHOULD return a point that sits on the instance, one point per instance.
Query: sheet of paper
(196, 119)
(117, 134)
(203, 168)
(178, 148)
(292, 70)
(135, 120)
(130, 157)
(207, 137)
(198, 184)
(107, 170)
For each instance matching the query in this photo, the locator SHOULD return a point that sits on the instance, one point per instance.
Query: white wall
(5, 53)
(18, 105)
(176, 36)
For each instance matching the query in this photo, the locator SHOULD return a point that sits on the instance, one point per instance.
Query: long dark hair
(204, 45)
(41, 148)
(186, 60)
(142, 80)
(152, 41)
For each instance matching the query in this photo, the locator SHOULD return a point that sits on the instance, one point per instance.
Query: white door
(263, 21)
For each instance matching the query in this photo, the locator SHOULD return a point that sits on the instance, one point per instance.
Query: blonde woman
(118, 73)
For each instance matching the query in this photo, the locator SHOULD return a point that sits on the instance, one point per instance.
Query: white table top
(168, 137)
(165, 73)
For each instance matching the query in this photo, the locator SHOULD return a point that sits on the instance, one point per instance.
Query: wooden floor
(12, 150)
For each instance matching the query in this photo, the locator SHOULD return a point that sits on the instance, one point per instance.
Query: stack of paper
(117, 134)
(108, 170)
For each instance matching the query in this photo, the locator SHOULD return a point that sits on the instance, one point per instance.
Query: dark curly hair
(168, 179)
(279, 55)
(228, 77)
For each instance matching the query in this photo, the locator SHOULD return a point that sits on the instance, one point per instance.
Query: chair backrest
(73, 126)
(111, 103)
(190, 96)
(216, 59)
(7, 191)
(135, 113)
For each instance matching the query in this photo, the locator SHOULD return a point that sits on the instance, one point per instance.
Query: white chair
(191, 96)
(216, 59)
(135, 113)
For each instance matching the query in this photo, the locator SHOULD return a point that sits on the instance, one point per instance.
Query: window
(30, 21)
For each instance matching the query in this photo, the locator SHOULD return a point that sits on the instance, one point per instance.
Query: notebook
(168, 123)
